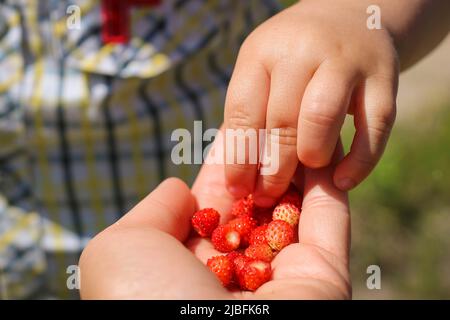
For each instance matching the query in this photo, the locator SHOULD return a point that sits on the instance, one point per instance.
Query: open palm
(151, 252)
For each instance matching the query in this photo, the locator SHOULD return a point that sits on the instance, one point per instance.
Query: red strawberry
(225, 238)
(258, 235)
(261, 252)
(254, 274)
(244, 225)
(263, 215)
(286, 212)
(233, 255)
(292, 196)
(239, 261)
(243, 207)
(222, 266)
(205, 221)
(279, 234)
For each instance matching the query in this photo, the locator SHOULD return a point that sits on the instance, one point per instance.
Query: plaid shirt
(85, 126)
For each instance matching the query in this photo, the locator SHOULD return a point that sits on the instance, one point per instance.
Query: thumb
(168, 208)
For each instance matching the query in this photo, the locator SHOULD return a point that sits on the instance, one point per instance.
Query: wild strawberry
(292, 196)
(263, 215)
(279, 234)
(239, 260)
(225, 238)
(223, 268)
(286, 212)
(261, 252)
(233, 254)
(244, 225)
(258, 235)
(205, 221)
(243, 207)
(254, 274)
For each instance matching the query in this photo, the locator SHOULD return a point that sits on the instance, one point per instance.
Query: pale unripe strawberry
(286, 212)
(279, 234)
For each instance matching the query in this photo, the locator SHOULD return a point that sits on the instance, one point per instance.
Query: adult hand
(151, 254)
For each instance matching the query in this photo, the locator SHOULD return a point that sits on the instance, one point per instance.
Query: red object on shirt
(116, 18)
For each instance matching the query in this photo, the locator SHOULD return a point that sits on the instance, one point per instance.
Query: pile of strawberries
(250, 240)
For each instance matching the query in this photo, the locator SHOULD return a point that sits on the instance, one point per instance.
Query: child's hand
(301, 72)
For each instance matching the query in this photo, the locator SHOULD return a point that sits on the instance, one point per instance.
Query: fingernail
(238, 192)
(264, 201)
(346, 184)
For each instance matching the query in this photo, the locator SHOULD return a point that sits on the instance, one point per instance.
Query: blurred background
(401, 213)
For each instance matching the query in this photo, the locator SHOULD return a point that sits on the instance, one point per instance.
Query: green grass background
(401, 213)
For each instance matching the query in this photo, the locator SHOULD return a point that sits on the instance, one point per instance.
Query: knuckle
(380, 132)
(366, 161)
(384, 74)
(239, 118)
(318, 119)
(283, 135)
(382, 123)
(238, 170)
(321, 111)
(249, 42)
(322, 201)
(276, 182)
(252, 46)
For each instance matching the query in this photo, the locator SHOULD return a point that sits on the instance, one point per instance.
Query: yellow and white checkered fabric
(85, 127)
